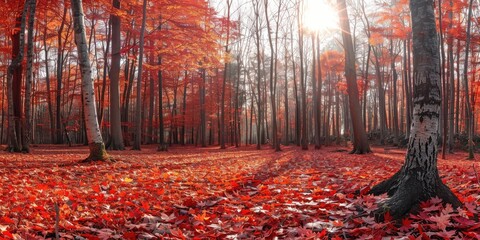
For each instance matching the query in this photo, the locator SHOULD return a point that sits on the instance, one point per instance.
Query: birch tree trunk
(418, 179)
(94, 136)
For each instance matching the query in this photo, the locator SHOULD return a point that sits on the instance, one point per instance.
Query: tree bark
(273, 75)
(258, 73)
(94, 136)
(303, 88)
(161, 131)
(418, 179)
(469, 121)
(451, 77)
(14, 75)
(360, 141)
(138, 111)
(27, 136)
(115, 118)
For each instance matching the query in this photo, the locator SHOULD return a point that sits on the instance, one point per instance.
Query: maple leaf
(406, 224)
(201, 217)
(178, 233)
(442, 221)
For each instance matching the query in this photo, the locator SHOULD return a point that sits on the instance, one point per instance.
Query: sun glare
(318, 15)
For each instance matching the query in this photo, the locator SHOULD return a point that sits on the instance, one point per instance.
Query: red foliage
(206, 193)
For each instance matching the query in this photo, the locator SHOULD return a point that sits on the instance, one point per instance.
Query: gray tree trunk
(115, 118)
(138, 111)
(418, 179)
(27, 136)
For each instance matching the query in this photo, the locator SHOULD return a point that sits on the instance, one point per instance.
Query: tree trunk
(360, 141)
(94, 136)
(319, 94)
(161, 131)
(469, 121)
(115, 119)
(14, 72)
(58, 93)
(316, 107)
(273, 76)
(303, 88)
(286, 116)
(444, 118)
(451, 86)
(418, 179)
(184, 109)
(138, 111)
(27, 136)
(203, 118)
(258, 73)
(395, 100)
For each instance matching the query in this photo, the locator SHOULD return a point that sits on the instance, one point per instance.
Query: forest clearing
(236, 193)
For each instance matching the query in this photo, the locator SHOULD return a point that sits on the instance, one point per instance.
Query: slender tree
(272, 40)
(115, 119)
(360, 141)
(94, 136)
(138, 111)
(27, 136)
(470, 122)
(224, 83)
(418, 179)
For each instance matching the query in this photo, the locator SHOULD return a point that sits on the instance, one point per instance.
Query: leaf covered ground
(206, 193)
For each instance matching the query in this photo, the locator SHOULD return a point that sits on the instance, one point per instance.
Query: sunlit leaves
(187, 193)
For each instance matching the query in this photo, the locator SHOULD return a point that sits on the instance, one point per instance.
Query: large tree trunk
(115, 118)
(94, 136)
(418, 179)
(360, 141)
(27, 136)
(14, 77)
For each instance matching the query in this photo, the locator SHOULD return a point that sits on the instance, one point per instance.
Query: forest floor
(207, 193)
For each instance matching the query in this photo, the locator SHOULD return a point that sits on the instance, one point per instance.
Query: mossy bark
(97, 153)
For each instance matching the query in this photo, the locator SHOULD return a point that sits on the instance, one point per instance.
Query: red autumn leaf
(7, 220)
(129, 236)
(442, 221)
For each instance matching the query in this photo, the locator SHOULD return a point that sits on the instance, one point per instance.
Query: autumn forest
(239, 119)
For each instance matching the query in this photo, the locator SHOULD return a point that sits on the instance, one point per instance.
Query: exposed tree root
(360, 151)
(162, 147)
(406, 192)
(98, 153)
